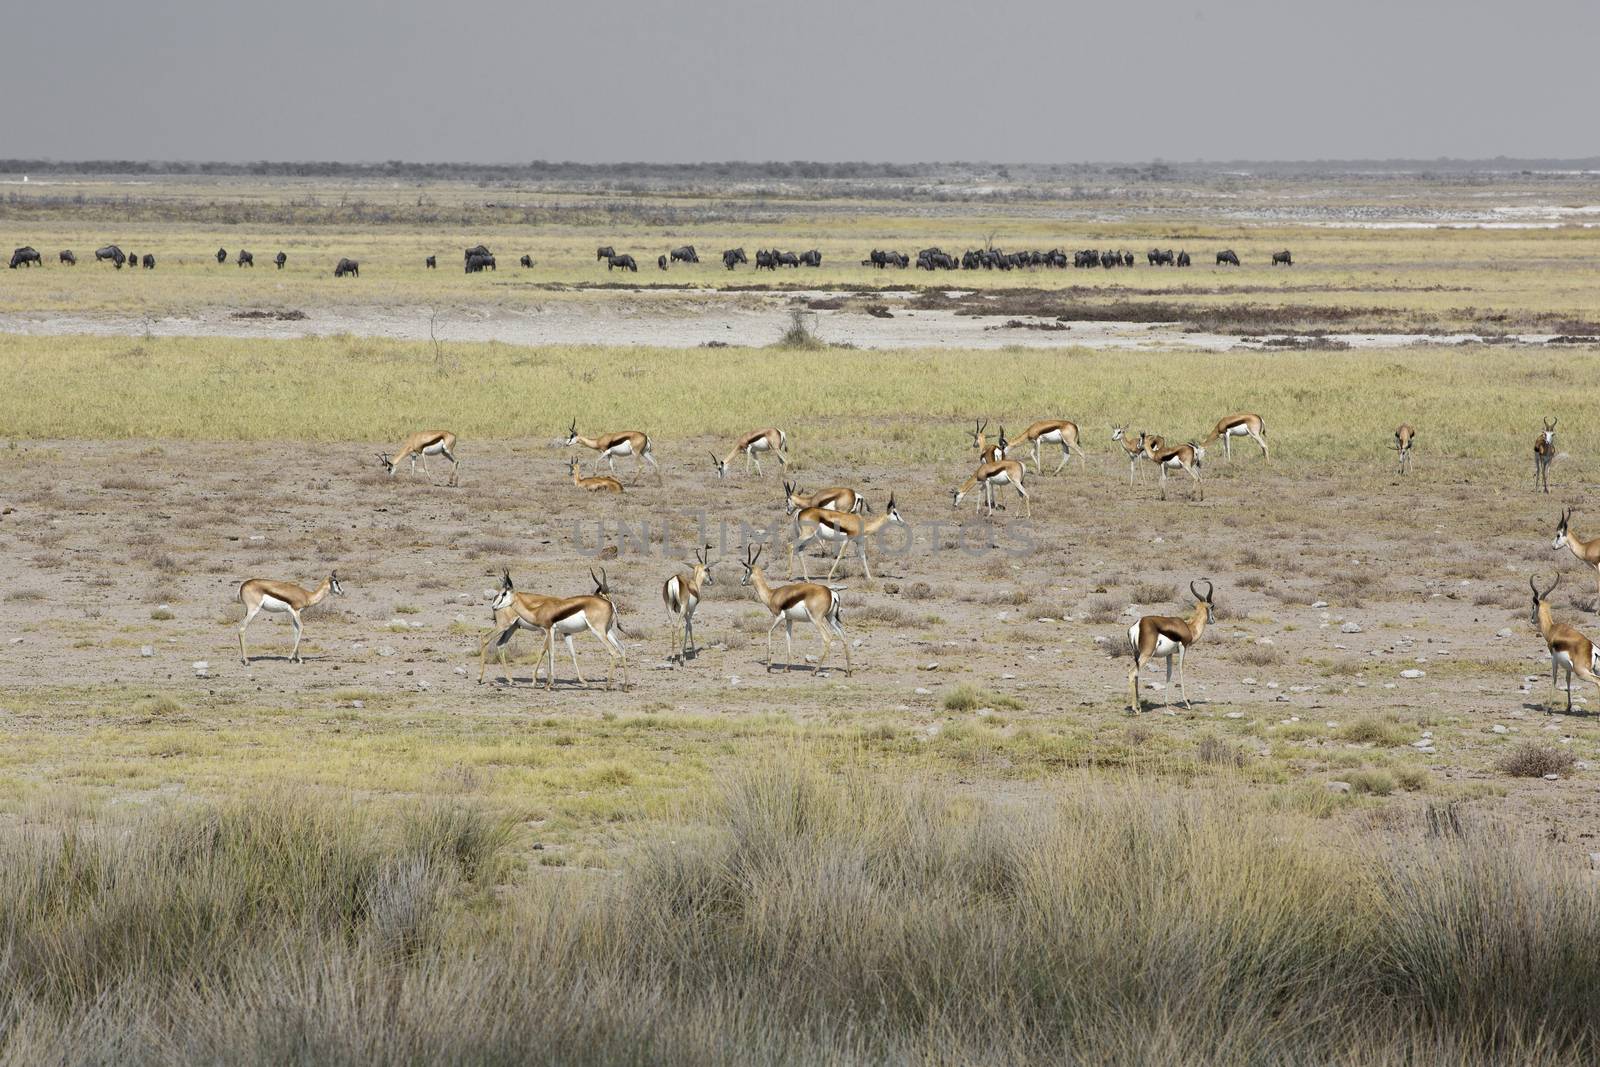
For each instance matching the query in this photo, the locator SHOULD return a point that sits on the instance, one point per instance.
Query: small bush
(1219, 753)
(1374, 782)
(1372, 730)
(1533, 760)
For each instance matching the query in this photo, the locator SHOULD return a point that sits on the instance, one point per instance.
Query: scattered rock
(1501, 729)
(1349, 628)
(1235, 715)
(1338, 787)
(1412, 672)
(146, 651)
(1552, 778)
(461, 671)
(923, 692)
(385, 651)
(1503, 633)
(1319, 603)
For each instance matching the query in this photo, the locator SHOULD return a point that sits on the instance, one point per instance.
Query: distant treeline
(542, 170)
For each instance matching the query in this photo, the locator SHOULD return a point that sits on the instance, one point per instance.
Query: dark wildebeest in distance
(26, 256)
(111, 252)
(812, 258)
(604, 252)
(1227, 256)
(476, 250)
(479, 262)
(788, 259)
(526, 260)
(625, 262)
(149, 261)
(431, 262)
(347, 266)
(222, 256)
(685, 254)
(280, 259)
(1282, 257)
(661, 261)
(246, 259)
(68, 258)
(766, 259)
(733, 256)
(1183, 259)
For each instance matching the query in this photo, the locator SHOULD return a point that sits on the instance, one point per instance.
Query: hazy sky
(893, 80)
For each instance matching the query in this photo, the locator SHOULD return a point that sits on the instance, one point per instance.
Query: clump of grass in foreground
(1125, 927)
(969, 698)
(1533, 760)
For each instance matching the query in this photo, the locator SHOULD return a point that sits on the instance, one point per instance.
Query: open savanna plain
(1368, 840)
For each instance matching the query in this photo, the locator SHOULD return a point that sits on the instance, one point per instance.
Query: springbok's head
(978, 426)
(572, 432)
(502, 599)
(750, 563)
(1561, 529)
(894, 512)
(333, 583)
(1540, 598)
(703, 564)
(1549, 431)
(721, 467)
(386, 462)
(1205, 600)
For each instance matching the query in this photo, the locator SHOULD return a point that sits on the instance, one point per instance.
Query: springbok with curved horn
(769, 440)
(820, 524)
(1163, 636)
(599, 483)
(1587, 551)
(570, 616)
(1544, 453)
(1187, 458)
(1243, 424)
(513, 611)
(1404, 438)
(681, 594)
(791, 603)
(1569, 649)
(989, 475)
(988, 453)
(420, 446)
(839, 498)
(265, 594)
(1132, 447)
(611, 445)
(1054, 432)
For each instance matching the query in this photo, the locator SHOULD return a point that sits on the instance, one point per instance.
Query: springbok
(265, 594)
(566, 617)
(1186, 458)
(820, 524)
(769, 440)
(988, 453)
(1054, 432)
(1244, 424)
(611, 445)
(681, 594)
(1132, 447)
(839, 498)
(798, 600)
(1002, 472)
(513, 611)
(420, 446)
(1544, 453)
(599, 483)
(1404, 438)
(1569, 649)
(1163, 636)
(1587, 551)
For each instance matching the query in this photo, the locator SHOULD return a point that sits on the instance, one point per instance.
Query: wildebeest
(246, 259)
(526, 260)
(1183, 259)
(604, 252)
(733, 256)
(26, 256)
(625, 262)
(661, 261)
(222, 256)
(881, 259)
(111, 252)
(431, 262)
(68, 258)
(788, 259)
(476, 250)
(1158, 258)
(685, 254)
(280, 259)
(812, 258)
(478, 262)
(133, 260)
(347, 266)
(1227, 256)
(1282, 257)
(766, 259)
(149, 261)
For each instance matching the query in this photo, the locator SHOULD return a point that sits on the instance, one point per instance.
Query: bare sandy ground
(1329, 588)
(686, 320)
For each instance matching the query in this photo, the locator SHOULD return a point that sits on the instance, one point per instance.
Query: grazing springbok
(1165, 636)
(821, 524)
(265, 594)
(769, 440)
(989, 475)
(838, 498)
(513, 611)
(421, 445)
(988, 453)
(798, 600)
(1054, 432)
(681, 594)
(1185, 457)
(623, 443)
(1132, 446)
(1244, 424)
(1544, 453)
(1569, 649)
(600, 483)
(1404, 438)
(1587, 551)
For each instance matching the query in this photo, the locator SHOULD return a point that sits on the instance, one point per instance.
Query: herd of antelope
(840, 517)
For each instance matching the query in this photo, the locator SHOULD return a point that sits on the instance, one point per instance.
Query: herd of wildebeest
(478, 258)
